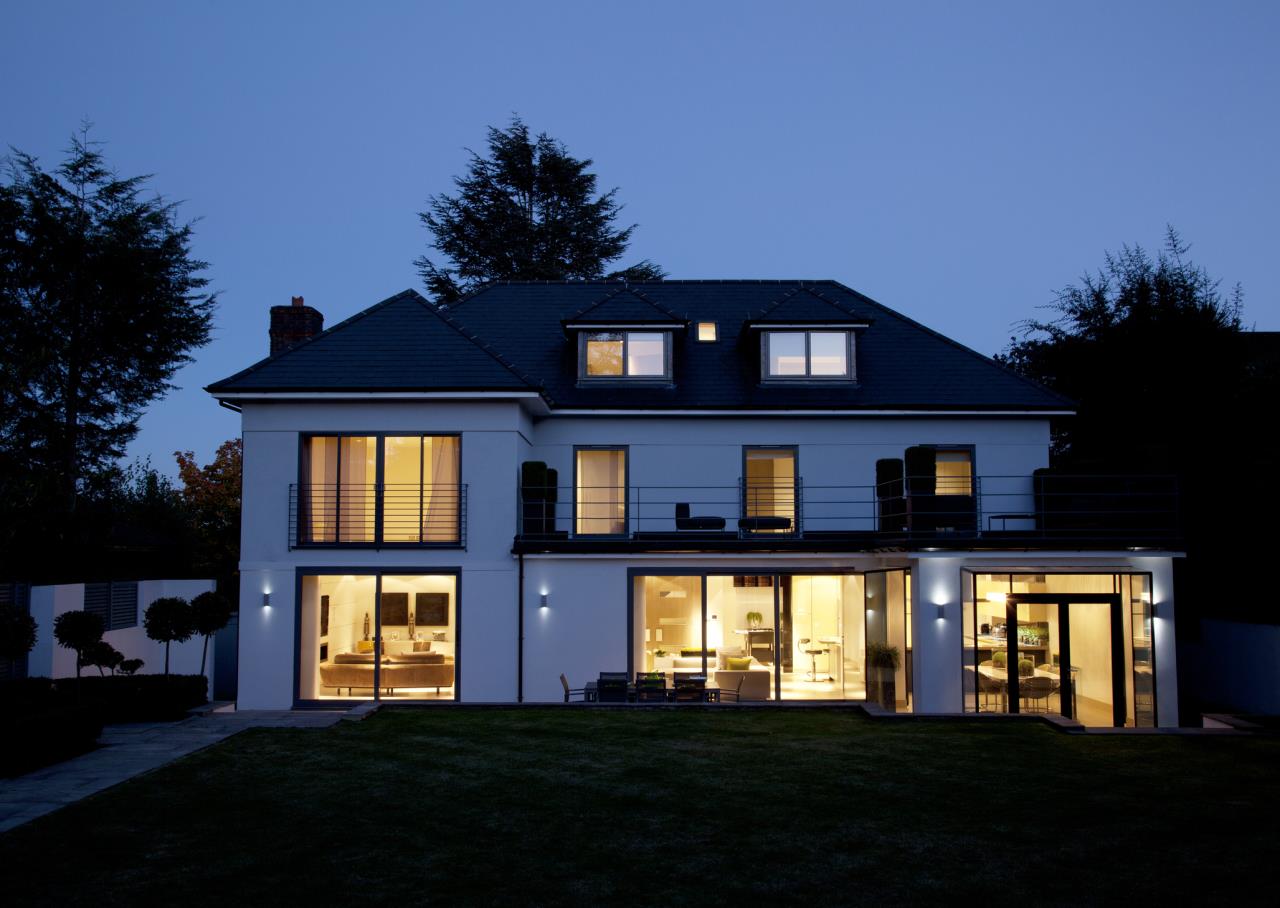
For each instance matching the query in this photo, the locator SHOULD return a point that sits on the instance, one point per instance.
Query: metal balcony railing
(378, 515)
(1043, 506)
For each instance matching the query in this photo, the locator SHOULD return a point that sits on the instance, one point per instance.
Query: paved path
(126, 751)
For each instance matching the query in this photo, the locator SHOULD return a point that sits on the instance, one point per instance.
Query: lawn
(667, 806)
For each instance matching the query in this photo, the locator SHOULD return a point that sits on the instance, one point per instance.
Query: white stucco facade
(583, 628)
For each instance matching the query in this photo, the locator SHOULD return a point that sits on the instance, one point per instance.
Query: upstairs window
(706, 331)
(821, 355)
(625, 354)
(953, 473)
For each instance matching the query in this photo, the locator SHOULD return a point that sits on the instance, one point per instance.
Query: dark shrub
(38, 729)
(137, 698)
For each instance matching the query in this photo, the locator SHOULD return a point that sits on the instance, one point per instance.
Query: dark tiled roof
(624, 306)
(403, 343)
(900, 363)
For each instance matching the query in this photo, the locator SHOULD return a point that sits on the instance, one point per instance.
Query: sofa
(755, 682)
(400, 669)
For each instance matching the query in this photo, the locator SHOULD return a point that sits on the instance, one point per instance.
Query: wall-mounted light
(266, 600)
(942, 612)
(542, 602)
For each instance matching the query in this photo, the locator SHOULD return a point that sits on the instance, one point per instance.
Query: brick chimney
(291, 325)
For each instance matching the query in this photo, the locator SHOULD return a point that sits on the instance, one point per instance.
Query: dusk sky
(957, 162)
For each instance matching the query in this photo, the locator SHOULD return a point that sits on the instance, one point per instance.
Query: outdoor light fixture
(543, 602)
(266, 600)
(942, 612)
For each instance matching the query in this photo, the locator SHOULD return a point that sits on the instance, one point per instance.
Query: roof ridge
(481, 344)
(272, 357)
(796, 291)
(991, 361)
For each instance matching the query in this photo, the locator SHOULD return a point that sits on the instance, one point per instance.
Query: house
(768, 483)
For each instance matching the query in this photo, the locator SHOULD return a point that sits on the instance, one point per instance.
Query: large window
(779, 636)
(1075, 645)
(953, 472)
(625, 354)
(769, 490)
(600, 492)
(417, 500)
(378, 636)
(819, 355)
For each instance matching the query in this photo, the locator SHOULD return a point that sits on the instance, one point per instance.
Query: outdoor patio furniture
(690, 688)
(611, 687)
(685, 522)
(651, 687)
(756, 524)
(568, 691)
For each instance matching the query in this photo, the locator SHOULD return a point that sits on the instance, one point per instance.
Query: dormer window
(815, 355)
(613, 355)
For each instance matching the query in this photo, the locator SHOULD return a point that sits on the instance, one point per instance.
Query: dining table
(996, 673)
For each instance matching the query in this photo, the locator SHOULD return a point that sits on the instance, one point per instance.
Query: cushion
(738, 664)
(418, 658)
(364, 646)
(353, 658)
(422, 646)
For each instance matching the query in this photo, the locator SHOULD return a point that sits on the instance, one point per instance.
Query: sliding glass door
(779, 636)
(378, 636)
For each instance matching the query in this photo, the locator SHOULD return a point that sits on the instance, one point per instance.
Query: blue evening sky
(956, 161)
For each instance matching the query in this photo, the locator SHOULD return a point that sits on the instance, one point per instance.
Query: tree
(130, 666)
(1166, 382)
(210, 612)
(78, 631)
(17, 632)
(102, 655)
(101, 301)
(169, 620)
(1143, 338)
(212, 497)
(527, 211)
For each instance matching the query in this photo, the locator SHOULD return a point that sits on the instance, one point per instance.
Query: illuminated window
(706, 331)
(625, 354)
(953, 473)
(808, 354)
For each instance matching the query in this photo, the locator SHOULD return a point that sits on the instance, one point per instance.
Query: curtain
(601, 493)
(441, 494)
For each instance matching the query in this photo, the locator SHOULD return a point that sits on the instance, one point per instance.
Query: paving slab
(126, 751)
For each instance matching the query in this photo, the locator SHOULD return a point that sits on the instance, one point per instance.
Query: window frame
(378, 542)
(377, 573)
(796, 515)
(626, 492)
(667, 335)
(850, 375)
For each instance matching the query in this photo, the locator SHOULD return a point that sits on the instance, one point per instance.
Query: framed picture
(431, 609)
(395, 609)
(324, 616)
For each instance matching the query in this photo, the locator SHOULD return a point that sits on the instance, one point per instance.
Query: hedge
(135, 698)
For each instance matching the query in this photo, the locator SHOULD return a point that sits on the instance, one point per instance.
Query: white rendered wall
(493, 438)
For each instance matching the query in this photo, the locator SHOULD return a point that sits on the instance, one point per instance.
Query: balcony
(378, 515)
(1033, 511)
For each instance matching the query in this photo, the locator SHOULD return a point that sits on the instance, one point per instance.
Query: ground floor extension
(1087, 636)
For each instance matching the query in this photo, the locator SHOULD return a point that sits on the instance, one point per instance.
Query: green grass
(660, 807)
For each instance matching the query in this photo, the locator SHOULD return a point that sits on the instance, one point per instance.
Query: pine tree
(101, 302)
(527, 211)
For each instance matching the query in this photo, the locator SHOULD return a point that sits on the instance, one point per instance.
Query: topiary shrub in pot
(883, 662)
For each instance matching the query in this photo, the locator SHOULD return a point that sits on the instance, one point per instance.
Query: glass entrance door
(1064, 656)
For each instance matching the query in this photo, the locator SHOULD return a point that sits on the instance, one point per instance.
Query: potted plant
(883, 661)
(754, 620)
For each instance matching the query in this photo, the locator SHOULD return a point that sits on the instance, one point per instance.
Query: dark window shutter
(97, 601)
(921, 470)
(124, 605)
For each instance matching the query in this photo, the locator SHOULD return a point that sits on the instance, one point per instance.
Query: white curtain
(601, 492)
